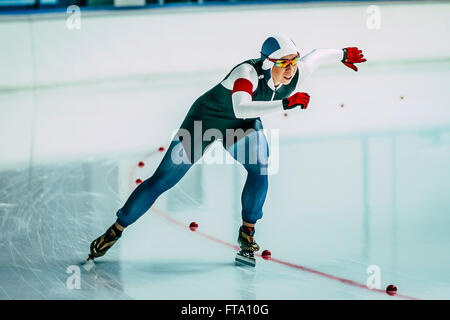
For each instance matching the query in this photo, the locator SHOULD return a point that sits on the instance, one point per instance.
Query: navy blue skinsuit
(215, 111)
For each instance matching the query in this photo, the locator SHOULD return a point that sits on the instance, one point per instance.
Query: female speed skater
(231, 112)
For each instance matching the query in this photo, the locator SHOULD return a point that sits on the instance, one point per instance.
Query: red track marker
(288, 264)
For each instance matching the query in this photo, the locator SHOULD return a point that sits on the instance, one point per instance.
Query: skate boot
(248, 246)
(102, 244)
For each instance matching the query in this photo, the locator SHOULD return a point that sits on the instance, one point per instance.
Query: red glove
(297, 99)
(352, 55)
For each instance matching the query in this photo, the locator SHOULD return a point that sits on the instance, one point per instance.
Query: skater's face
(282, 75)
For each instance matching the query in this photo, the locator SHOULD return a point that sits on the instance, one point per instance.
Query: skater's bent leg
(167, 175)
(253, 197)
(255, 162)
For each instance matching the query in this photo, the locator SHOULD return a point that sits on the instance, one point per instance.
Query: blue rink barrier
(39, 6)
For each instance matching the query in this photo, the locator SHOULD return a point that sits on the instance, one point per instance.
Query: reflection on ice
(377, 201)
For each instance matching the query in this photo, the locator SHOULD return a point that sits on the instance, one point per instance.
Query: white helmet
(275, 47)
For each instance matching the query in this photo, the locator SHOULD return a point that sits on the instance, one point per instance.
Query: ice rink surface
(369, 191)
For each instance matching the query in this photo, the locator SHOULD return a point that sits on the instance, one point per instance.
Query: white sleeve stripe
(245, 71)
(315, 58)
(244, 107)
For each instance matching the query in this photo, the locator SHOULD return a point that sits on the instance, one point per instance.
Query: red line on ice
(288, 264)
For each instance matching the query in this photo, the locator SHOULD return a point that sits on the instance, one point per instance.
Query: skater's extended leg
(172, 168)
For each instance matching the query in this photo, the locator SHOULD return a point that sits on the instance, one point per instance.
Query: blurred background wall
(40, 49)
(84, 80)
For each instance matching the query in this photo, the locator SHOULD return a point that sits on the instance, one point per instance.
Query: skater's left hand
(352, 55)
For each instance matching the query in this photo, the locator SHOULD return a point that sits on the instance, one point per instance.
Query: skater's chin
(287, 79)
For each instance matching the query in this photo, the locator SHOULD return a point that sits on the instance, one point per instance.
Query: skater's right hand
(297, 99)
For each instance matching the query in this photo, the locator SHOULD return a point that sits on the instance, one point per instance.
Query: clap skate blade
(89, 263)
(245, 258)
